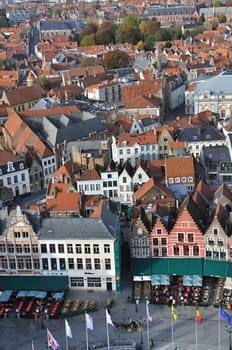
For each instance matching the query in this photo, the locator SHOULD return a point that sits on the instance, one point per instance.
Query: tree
(128, 34)
(221, 18)
(149, 43)
(177, 33)
(163, 35)
(91, 28)
(2, 63)
(140, 45)
(131, 20)
(88, 62)
(44, 83)
(218, 3)
(149, 27)
(115, 59)
(88, 40)
(106, 33)
(201, 19)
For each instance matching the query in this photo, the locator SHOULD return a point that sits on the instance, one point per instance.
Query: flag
(108, 318)
(149, 315)
(174, 315)
(89, 321)
(198, 317)
(52, 341)
(32, 345)
(68, 330)
(223, 314)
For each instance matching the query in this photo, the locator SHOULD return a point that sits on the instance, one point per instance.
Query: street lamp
(229, 331)
(140, 329)
(136, 304)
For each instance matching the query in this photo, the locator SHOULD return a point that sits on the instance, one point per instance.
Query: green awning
(141, 267)
(41, 283)
(229, 271)
(160, 266)
(215, 268)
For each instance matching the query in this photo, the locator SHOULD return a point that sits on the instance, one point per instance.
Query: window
(15, 179)
(155, 241)
(77, 281)
(215, 231)
(163, 241)
(96, 249)
(78, 248)
(177, 180)
(104, 183)
(21, 166)
(180, 237)
(190, 179)
(79, 264)
(60, 248)
(159, 231)
(23, 177)
(94, 282)
(156, 252)
(52, 248)
(107, 264)
(25, 234)
(164, 251)
(71, 263)
(28, 263)
(87, 249)
(97, 264)
(190, 237)
(88, 264)
(17, 234)
(62, 264)
(10, 248)
(43, 248)
(2, 248)
(27, 248)
(12, 263)
(196, 251)
(69, 248)
(124, 180)
(183, 179)
(106, 248)
(128, 151)
(186, 250)
(8, 181)
(171, 180)
(45, 263)
(35, 248)
(20, 263)
(176, 250)
(36, 263)
(10, 167)
(19, 248)
(53, 264)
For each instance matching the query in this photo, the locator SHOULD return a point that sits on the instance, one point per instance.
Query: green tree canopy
(91, 28)
(222, 18)
(106, 33)
(115, 59)
(149, 27)
(131, 20)
(128, 34)
(163, 35)
(201, 19)
(149, 43)
(88, 40)
(44, 83)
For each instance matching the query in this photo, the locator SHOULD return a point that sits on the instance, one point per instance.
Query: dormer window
(139, 231)
(10, 167)
(190, 179)
(171, 180)
(177, 180)
(21, 166)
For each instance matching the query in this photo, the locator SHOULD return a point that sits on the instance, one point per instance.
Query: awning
(192, 280)
(141, 267)
(215, 268)
(58, 295)
(38, 283)
(160, 280)
(31, 294)
(5, 296)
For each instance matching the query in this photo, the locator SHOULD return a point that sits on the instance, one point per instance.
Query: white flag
(108, 318)
(89, 321)
(68, 329)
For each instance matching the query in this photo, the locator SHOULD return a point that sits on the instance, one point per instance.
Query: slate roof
(216, 153)
(220, 84)
(79, 228)
(65, 127)
(61, 25)
(197, 134)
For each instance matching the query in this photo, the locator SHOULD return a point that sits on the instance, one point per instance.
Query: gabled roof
(23, 95)
(179, 167)
(66, 171)
(147, 186)
(65, 198)
(128, 168)
(199, 217)
(223, 190)
(89, 174)
(221, 214)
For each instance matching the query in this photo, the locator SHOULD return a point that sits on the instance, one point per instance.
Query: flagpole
(48, 340)
(196, 331)
(66, 340)
(86, 331)
(148, 333)
(219, 328)
(107, 333)
(172, 333)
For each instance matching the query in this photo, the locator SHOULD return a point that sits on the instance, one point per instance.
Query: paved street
(18, 334)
